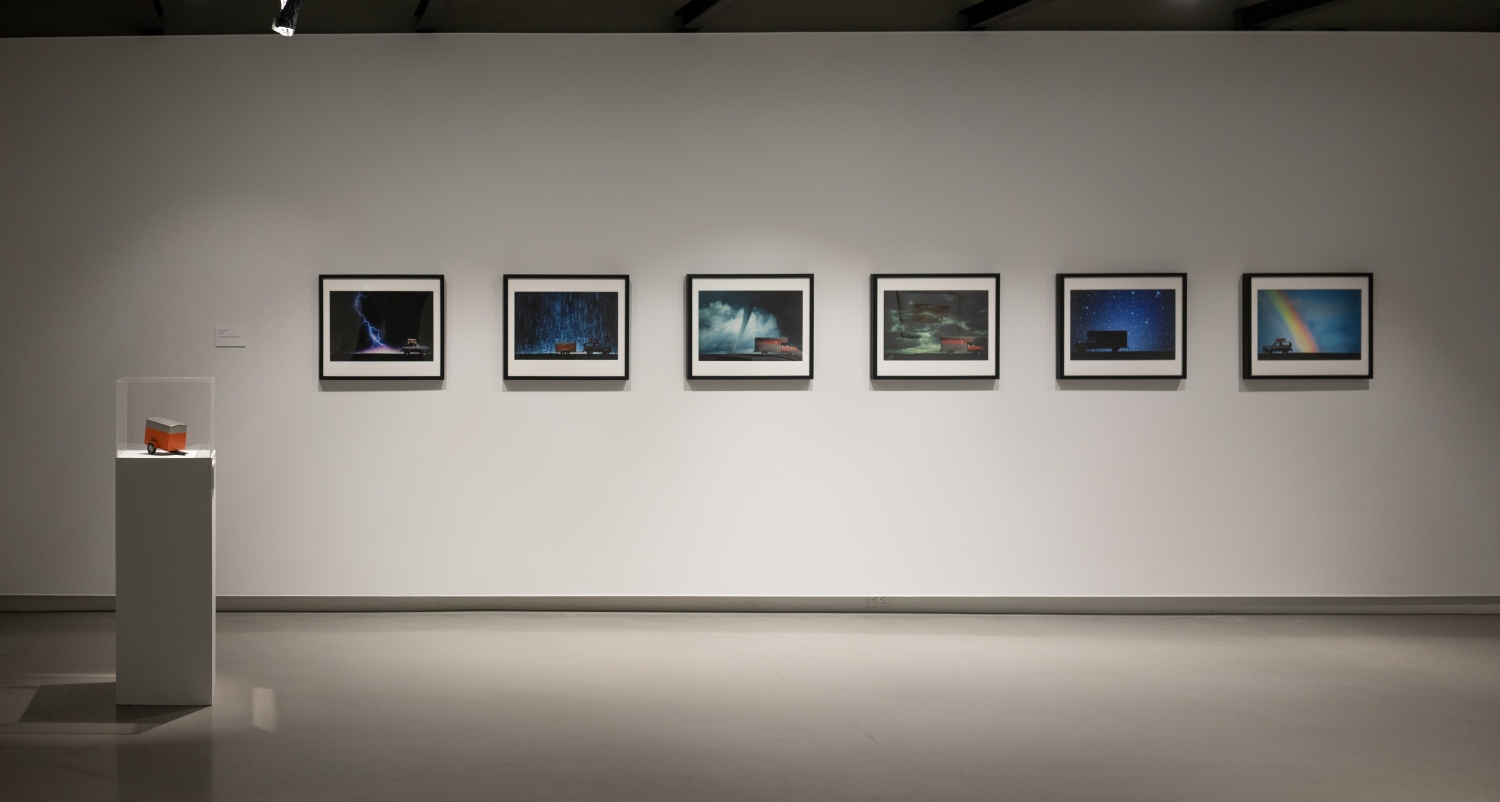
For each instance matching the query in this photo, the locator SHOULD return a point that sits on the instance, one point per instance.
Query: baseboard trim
(1012, 605)
(56, 603)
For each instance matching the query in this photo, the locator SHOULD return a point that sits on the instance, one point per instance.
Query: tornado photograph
(750, 325)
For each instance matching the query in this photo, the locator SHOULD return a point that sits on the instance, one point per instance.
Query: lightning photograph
(380, 326)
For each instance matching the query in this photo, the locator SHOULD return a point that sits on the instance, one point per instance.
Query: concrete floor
(766, 707)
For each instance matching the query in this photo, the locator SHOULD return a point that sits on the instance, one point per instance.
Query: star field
(1150, 316)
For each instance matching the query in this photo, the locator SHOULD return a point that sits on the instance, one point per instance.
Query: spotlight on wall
(286, 19)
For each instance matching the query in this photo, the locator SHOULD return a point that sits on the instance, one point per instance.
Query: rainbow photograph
(1307, 325)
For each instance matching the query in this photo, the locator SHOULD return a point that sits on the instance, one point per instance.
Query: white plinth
(164, 578)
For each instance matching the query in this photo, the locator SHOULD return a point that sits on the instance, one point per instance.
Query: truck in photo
(773, 345)
(1281, 346)
(958, 345)
(1100, 340)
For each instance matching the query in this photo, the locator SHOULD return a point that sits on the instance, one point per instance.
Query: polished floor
(457, 706)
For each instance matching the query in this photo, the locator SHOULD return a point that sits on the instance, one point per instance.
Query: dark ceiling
(191, 17)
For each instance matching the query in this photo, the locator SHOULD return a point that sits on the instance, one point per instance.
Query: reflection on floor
(756, 707)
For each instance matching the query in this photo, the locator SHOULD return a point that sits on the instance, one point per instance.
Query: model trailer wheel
(150, 448)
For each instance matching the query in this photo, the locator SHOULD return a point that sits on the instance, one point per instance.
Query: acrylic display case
(144, 403)
(164, 541)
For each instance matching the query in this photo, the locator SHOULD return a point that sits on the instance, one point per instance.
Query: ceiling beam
(697, 13)
(981, 14)
(150, 15)
(1266, 13)
(429, 15)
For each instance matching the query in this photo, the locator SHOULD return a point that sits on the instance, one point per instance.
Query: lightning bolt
(376, 334)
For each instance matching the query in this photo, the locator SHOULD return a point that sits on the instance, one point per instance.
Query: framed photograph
(380, 327)
(935, 326)
(750, 327)
(1122, 326)
(567, 327)
(1307, 325)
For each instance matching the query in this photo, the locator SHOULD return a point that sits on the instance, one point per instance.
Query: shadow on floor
(88, 709)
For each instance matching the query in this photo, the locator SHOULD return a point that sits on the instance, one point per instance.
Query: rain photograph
(1308, 324)
(380, 326)
(926, 325)
(567, 325)
(1121, 325)
(750, 326)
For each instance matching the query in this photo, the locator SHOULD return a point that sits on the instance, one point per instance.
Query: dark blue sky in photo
(544, 319)
(1149, 315)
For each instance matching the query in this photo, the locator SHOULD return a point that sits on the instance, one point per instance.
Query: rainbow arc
(1302, 336)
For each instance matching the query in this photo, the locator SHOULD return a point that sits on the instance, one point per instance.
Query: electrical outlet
(877, 601)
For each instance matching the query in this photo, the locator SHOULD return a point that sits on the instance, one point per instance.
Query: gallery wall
(152, 188)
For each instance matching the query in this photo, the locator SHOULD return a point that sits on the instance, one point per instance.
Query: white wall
(151, 188)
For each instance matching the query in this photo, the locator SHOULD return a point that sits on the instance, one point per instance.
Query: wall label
(230, 337)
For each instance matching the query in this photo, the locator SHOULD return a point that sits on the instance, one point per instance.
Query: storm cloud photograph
(927, 325)
(750, 325)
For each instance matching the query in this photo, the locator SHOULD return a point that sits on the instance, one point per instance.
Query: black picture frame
(1139, 365)
(937, 368)
(574, 367)
(750, 365)
(416, 369)
(1255, 366)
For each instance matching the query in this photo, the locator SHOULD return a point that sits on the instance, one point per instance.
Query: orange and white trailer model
(773, 345)
(165, 435)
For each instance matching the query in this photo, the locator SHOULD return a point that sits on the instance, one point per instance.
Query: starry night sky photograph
(589, 321)
(1141, 324)
(374, 326)
(730, 320)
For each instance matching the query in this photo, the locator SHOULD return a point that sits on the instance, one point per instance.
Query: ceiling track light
(286, 19)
